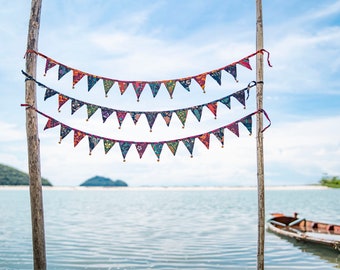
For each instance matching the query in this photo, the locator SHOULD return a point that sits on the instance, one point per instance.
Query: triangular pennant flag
(245, 62)
(108, 144)
(182, 115)
(141, 146)
(93, 141)
(219, 133)
(213, 108)
(49, 64)
(51, 123)
(64, 131)
(185, 83)
(91, 81)
(226, 101)
(189, 144)
(173, 145)
(62, 100)
(62, 71)
(151, 117)
(139, 87)
(240, 96)
(122, 86)
(233, 127)
(247, 122)
(49, 93)
(205, 139)
(77, 137)
(167, 115)
(170, 86)
(77, 76)
(135, 116)
(107, 85)
(157, 148)
(75, 105)
(154, 86)
(120, 116)
(91, 109)
(200, 79)
(216, 75)
(124, 148)
(197, 111)
(106, 112)
(232, 70)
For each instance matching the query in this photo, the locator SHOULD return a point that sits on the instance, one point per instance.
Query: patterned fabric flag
(170, 86)
(51, 123)
(64, 131)
(173, 145)
(233, 127)
(245, 62)
(216, 75)
(124, 148)
(91, 81)
(63, 70)
(49, 93)
(77, 76)
(77, 137)
(200, 79)
(185, 83)
(108, 144)
(139, 87)
(167, 115)
(107, 85)
(154, 86)
(93, 141)
(75, 105)
(205, 139)
(157, 148)
(213, 108)
(197, 111)
(219, 133)
(106, 112)
(135, 116)
(49, 64)
(151, 117)
(141, 146)
(122, 86)
(91, 109)
(247, 122)
(120, 117)
(189, 144)
(240, 96)
(232, 70)
(226, 101)
(62, 100)
(182, 116)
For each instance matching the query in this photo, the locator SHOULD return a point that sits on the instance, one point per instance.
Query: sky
(161, 40)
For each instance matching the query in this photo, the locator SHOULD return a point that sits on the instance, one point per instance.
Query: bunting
(157, 147)
(139, 86)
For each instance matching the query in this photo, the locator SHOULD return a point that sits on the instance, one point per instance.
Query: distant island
(10, 176)
(330, 181)
(99, 181)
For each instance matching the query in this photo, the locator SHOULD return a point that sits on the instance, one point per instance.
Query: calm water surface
(162, 229)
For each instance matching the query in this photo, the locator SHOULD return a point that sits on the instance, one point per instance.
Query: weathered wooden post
(259, 137)
(37, 212)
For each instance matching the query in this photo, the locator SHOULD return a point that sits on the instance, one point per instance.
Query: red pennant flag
(51, 123)
(49, 64)
(233, 127)
(213, 108)
(139, 87)
(205, 139)
(200, 79)
(122, 86)
(77, 137)
(62, 100)
(121, 116)
(77, 76)
(245, 62)
(141, 146)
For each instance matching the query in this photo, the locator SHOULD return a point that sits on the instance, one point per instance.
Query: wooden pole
(33, 146)
(259, 137)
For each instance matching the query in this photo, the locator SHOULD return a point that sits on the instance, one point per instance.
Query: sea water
(162, 228)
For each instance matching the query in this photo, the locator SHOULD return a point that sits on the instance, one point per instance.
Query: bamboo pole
(33, 146)
(259, 137)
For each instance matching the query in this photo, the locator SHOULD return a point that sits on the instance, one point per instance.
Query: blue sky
(159, 40)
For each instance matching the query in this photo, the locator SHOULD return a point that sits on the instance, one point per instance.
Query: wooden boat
(305, 230)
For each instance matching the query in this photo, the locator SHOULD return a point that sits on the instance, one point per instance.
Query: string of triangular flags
(150, 115)
(157, 146)
(139, 86)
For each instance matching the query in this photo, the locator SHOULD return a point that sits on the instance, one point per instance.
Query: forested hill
(10, 176)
